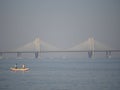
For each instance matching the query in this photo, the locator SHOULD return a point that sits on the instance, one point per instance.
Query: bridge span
(36, 53)
(37, 46)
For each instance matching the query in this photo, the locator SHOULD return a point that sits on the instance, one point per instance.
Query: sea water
(61, 74)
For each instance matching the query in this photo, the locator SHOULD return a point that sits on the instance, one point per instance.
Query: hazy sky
(63, 23)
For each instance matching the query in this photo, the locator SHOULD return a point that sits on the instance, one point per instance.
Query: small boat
(19, 69)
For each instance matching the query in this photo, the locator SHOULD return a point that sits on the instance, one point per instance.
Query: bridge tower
(37, 47)
(91, 47)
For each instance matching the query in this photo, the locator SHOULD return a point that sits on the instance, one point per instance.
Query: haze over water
(61, 74)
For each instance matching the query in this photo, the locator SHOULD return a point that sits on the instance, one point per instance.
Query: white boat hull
(19, 69)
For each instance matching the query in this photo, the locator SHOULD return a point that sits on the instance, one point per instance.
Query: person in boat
(23, 66)
(15, 66)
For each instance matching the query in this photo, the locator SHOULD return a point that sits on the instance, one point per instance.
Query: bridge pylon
(91, 47)
(37, 47)
(90, 54)
(36, 54)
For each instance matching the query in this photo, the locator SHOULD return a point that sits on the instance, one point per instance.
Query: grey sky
(63, 23)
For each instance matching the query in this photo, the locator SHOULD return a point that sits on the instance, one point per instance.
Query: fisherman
(23, 66)
(16, 66)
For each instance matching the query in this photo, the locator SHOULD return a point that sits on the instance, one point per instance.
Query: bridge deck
(59, 51)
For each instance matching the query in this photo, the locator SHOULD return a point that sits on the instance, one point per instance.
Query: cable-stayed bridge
(38, 46)
(91, 46)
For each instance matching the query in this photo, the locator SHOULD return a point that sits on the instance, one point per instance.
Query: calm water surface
(61, 74)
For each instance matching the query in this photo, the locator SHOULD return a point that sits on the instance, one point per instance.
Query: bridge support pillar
(19, 54)
(36, 55)
(90, 54)
(108, 54)
(1, 55)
